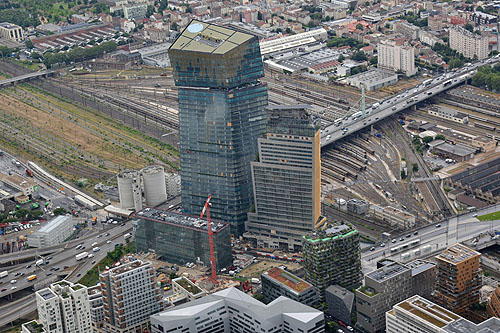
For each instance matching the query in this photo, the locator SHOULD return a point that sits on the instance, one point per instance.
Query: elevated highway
(26, 77)
(378, 111)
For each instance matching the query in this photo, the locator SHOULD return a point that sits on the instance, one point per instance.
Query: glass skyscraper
(221, 115)
(287, 179)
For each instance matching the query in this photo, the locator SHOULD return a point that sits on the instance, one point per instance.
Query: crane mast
(206, 208)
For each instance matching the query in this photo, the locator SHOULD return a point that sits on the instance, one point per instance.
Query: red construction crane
(206, 208)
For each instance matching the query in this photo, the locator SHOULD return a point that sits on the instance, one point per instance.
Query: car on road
(372, 248)
(49, 274)
(401, 239)
(17, 274)
(106, 234)
(408, 236)
(14, 287)
(108, 242)
(416, 232)
(4, 289)
(13, 281)
(474, 215)
(79, 274)
(438, 225)
(340, 331)
(29, 266)
(350, 329)
(382, 245)
(394, 240)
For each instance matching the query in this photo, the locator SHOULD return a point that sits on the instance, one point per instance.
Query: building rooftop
(427, 311)
(209, 38)
(55, 223)
(188, 285)
(178, 219)
(287, 279)
(418, 266)
(345, 295)
(331, 233)
(17, 181)
(457, 253)
(127, 266)
(457, 149)
(387, 272)
(46, 294)
(462, 325)
(8, 25)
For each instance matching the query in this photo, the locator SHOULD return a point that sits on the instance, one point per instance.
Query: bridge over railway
(350, 124)
(26, 77)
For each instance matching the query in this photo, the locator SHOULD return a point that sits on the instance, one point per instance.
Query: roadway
(454, 230)
(24, 77)
(396, 103)
(55, 271)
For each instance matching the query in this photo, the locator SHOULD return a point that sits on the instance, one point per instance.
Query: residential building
(185, 287)
(96, 307)
(231, 310)
(135, 11)
(407, 29)
(11, 31)
(180, 238)
(467, 43)
(173, 184)
(480, 18)
(458, 278)
(377, 295)
(286, 179)
(130, 295)
(221, 115)
(340, 303)
(332, 256)
(53, 232)
(418, 314)
(493, 306)
(396, 56)
(278, 282)
(373, 79)
(64, 307)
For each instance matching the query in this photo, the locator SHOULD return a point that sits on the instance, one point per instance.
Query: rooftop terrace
(332, 233)
(289, 280)
(427, 311)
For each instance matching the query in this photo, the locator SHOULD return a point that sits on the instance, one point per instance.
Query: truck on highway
(39, 262)
(81, 256)
(31, 278)
(4, 274)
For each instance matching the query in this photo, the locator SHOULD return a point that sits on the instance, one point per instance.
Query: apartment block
(467, 43)
(231, 310)
(396, 56)
(493, 306)
(96, 307)
(458, 278)
(130, 295)
(64, 307)
(419, 315)
(332, 256)
(387, 286)
(11, 31)
(278, 282)
(286, 179)
(340, 303)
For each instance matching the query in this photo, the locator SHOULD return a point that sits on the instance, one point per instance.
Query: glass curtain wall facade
(287, 179)
(221, 115)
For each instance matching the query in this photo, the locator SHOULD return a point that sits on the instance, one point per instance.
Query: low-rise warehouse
(482, 180)
(394, 216)
(449, 114)
(373, 79)
(457, 152)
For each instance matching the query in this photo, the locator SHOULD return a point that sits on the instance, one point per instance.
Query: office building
(96, 307)
(130, 295)
(469, 44)
(64, 307)
(332, 257)
(278, 282)
(286, 180)
(180, 238)
(11, 31)
(54, 232)
(340, 303)
(419, 315)
(387, 286)
(221, 115)
(396, 56)
(458, 278)
(231, 310)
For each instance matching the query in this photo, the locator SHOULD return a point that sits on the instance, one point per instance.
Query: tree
(373, 60)
(259, 15)
(440, 137)
(60, 211)
(403, 174)
(150, 10)
(455, 63)
(359, 26)
(415, 167)
(101, 8)
(341, 58)
(29, 44)
(427, 139)
(359, 56)
(469, 27)
(163, 5)
(387, 25)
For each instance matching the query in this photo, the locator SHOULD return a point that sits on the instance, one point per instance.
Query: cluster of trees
(78, 54)
(487, 76)
(20, 214)
(451, 57)
(18, 16)
(415, 20)
(342, 41)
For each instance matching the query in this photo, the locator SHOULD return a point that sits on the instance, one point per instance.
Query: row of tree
(78, 54)
(487, 76)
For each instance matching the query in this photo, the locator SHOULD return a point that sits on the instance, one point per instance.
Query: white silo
(155, 189)
(129, 190)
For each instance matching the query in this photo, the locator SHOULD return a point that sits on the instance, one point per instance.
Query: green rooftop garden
(190, 287)
(368, 291)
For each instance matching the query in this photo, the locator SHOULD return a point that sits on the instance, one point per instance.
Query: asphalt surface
(400, 102)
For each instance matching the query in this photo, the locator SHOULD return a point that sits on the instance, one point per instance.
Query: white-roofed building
(235, 311)
(54, 232)
(282, 44)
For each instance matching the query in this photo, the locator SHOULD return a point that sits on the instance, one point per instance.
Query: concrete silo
(155, 189)
(129, 190)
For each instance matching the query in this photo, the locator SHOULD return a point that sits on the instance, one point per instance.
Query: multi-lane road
(450, 231)
(378, 111)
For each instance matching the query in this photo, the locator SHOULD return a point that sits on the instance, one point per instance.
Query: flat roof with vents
(387, 272)
(457, 253)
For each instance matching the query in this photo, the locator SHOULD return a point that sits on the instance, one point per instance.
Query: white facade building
(397, 57)
(418, 315)
(231, 310)
(96, 307)
(173, 184)
(467, 43)
(64, 307)
(54, 232)
(11, 31)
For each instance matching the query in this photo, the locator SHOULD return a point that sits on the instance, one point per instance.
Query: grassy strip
(489, 217)
(90, 279)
